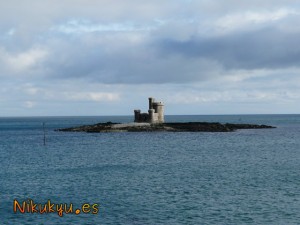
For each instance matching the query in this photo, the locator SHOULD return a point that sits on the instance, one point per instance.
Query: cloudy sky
(102, 57)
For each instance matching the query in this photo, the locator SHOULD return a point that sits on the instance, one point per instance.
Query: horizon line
(242, 114)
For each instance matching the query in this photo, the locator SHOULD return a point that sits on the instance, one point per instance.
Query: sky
(106, 57)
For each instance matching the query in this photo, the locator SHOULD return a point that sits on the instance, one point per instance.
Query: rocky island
(154, 121)
(170, 127)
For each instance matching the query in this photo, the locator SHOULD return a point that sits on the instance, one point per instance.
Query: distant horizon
(264, 114)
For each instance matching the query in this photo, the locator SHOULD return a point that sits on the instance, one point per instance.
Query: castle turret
(137, 113)
(159, 109)
(151, 101)
(151, 118)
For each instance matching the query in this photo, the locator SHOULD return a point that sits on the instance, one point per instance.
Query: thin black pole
(44, 133)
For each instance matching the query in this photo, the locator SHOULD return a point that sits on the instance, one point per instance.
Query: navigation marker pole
(44, 133)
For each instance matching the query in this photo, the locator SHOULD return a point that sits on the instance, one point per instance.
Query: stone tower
(155, 113)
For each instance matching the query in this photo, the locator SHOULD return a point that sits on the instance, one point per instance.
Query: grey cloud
(130, 64)
(266, 48)
(38, 15)
(54, 11)
(175, 52)
(113, 58)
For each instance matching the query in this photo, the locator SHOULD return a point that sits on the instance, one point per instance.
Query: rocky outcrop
(169, 127)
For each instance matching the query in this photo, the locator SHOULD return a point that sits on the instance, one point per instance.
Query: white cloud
(31, 89)
(29, 104)
(11, 32)
(86, 26)
(245, 19)
(92, 96)
(21, 62)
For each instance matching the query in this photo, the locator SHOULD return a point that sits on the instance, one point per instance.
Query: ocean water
(242, 177)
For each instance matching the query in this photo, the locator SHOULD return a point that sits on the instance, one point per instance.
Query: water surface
(243, 177)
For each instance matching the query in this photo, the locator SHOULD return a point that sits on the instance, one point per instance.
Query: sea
(149, 178)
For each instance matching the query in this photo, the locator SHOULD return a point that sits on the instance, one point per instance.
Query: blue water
(243, 177)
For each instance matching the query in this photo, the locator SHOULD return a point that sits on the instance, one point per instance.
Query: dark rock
(169, 127)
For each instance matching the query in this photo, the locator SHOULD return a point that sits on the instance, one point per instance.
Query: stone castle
(155, 113)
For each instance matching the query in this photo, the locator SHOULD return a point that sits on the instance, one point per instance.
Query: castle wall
(154, 118)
